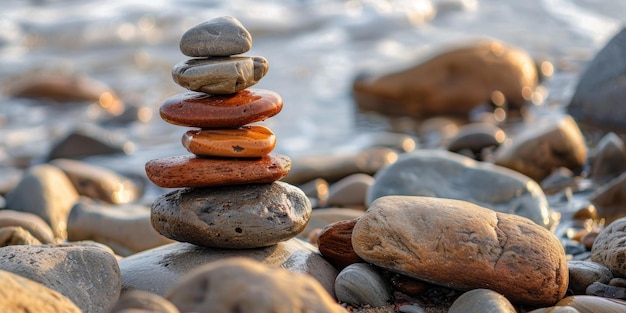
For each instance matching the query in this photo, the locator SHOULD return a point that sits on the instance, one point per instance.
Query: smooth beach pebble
(584, 273)
(247, 286)
(463, 246)
(197, 109)
(245, 141)
(220, 36)
(237, 217)
(193, 171)
(220, 75)
(362, 284)
(481, 300)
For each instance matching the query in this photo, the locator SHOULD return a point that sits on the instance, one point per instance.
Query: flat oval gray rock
(361, 284)
(220, 36)
(220, 75)
(156, 270)
(87, 275)
(443, 174)
(236, 217)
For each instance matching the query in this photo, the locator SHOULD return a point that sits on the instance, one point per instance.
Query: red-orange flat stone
(197, 109)
(193, 171)
(246, 141)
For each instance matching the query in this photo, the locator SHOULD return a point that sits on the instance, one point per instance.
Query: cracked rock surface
(463, 246)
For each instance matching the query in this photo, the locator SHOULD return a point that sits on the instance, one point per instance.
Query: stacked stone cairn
(228, 194)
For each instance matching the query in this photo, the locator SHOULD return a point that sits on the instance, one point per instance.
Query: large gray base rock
(156, 270)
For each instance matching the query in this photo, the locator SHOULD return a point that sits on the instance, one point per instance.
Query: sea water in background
(315, 48)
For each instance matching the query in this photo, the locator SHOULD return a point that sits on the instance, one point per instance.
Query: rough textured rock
(32, 223)
(335, 244)
(22, 295)
(609, 249)
(442, 174)
(191, 171)
(99, 183)
(157, 270)
(463, 246)
(361, 284)
(610, 199)
(144, 301)
(237, 217)
(452, 83)
(481, 300)
(220, 36)
(601, 89)
(87, 275)
(247, 141)
(549, 144)
(46, 192)
(220, 76)
(609, 157)
(232, 285)
(15, 235)
(584, 273)
(127, 229)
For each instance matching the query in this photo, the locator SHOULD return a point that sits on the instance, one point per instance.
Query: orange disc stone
(245, 141)
(193, 171)
(198, 109)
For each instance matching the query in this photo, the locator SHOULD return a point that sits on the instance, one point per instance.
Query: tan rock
(126, 228)
(247, 286)
(543, 147)
(87, 275)
(22, 295)
(452, 83)
(463, 246)
(32, 223)
(47, 192)
(144, 301)
(609, 248)
(15, 235)
(98, 183)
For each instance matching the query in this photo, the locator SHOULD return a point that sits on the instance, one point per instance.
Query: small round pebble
(220, 36)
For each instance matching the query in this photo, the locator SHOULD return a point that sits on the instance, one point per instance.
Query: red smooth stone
(198, 109)
(193, 171)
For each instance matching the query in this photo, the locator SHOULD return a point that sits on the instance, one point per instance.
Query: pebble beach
(488, 175)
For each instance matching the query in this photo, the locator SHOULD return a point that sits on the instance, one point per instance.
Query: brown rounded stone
(32, 223)
(220, 75)
(21, 294)
(463, 246)
(193, 171)
(335, 244)
(451, 83)
(246, 141)
(15, 235)
(247, 286)
(197, 109)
